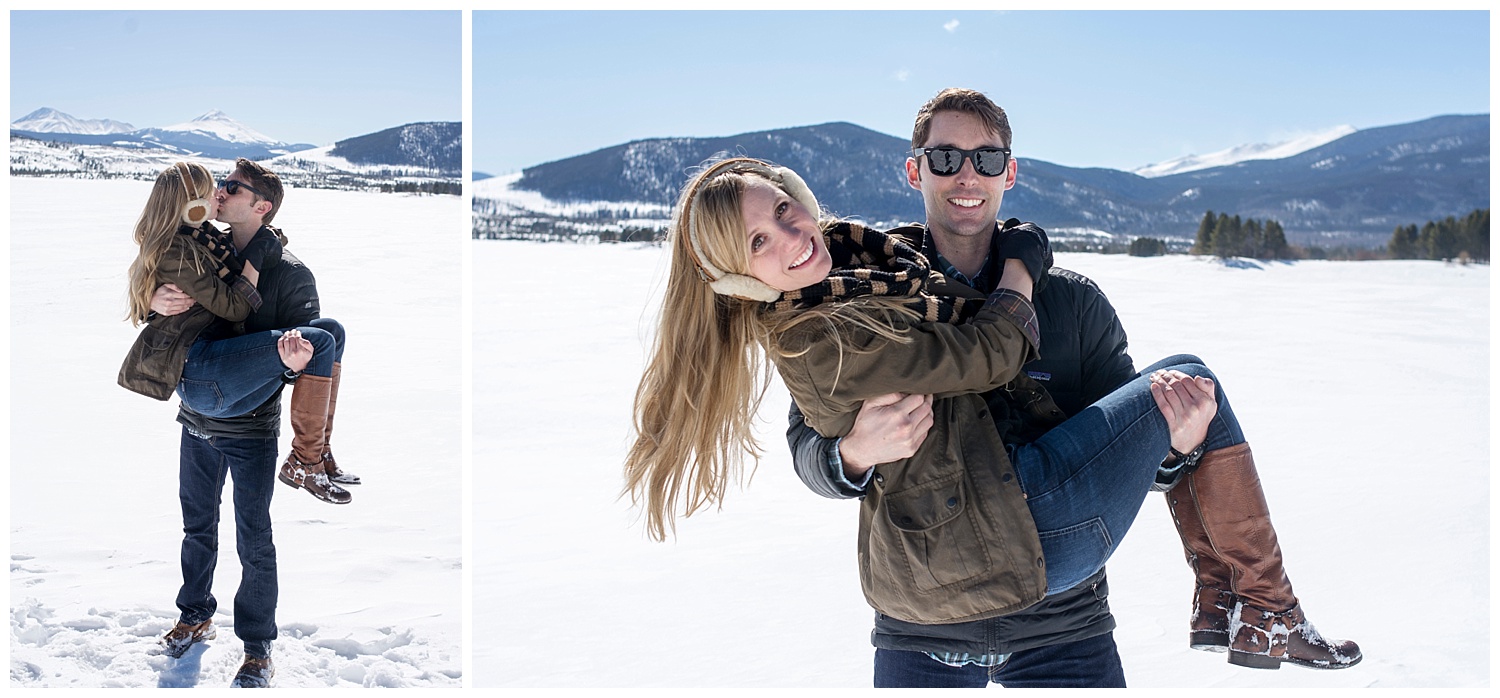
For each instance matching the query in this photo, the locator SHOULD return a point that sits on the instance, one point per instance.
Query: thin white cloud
(901, 75)
(951, 25)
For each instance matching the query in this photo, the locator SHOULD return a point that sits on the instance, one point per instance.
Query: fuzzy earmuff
(740, 285)
(196, 211)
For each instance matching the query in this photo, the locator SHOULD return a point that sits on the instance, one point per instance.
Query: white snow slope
(1241, 153)
(371, 592)
(1363, 387)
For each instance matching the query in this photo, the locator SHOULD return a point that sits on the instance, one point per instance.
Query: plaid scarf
(871, 263)
(220, 252)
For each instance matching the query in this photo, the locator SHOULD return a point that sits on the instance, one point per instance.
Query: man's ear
(1010, 177)
(913, 174)
(261, 208)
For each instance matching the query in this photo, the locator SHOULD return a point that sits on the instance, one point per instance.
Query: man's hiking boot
(256, 672)
(183, 636)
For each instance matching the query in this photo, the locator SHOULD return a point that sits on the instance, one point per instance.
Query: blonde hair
(708, 368)
(159, 221)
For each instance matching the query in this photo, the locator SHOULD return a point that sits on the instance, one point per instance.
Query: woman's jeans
(230, 377)
(1085, 479)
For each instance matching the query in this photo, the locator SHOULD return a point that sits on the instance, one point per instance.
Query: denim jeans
(229, 377)
(251, 464)
(1085, 479)
(1089, 663)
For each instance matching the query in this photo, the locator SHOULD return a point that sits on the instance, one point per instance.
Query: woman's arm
(197, 279)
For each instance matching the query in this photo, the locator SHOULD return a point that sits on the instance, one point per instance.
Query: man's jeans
(1090, 663)
(251, 464)
(230, 377)
(1085, 479)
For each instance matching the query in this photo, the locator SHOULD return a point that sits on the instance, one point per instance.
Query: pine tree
(1275, 246)
(1252, 237)
(1203, 243)
(1403, 244)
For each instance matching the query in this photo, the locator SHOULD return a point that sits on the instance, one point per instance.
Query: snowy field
(1364, 388)
(371, 592)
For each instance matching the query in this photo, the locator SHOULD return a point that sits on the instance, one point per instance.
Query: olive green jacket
(944, 536)
(154, 365)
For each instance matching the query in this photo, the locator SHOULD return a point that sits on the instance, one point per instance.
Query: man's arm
(1106, 362)
(888, 428)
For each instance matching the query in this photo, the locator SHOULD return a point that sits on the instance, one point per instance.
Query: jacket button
(952, 502)
(982, 413)
(879, 479)
(1040, 563)
(1005, 477)
(906, 520)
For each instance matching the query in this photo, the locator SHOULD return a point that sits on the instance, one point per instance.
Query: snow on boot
(1208, 628)
(256, 672)
(182, 636)
(1264, 639)
(310, 476)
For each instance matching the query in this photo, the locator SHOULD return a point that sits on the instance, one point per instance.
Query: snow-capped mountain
(49, 120)
(1241, 153)
(219, 125)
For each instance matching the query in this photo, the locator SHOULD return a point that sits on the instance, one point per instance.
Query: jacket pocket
(938, 532)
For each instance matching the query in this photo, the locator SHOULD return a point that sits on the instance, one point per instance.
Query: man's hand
(1189, 405)
(887, 428)
(294, 350)
(170, 300)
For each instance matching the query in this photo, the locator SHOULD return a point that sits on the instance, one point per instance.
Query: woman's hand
(294, 350)
(1189, 405)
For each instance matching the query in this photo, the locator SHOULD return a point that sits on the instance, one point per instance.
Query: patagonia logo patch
(1040, 375)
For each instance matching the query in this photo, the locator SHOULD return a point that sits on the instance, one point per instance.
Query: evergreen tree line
(1450, 238)
(1226, 236)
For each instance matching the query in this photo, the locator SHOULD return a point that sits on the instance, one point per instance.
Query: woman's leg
(330, 465)
(230, 377)
(1085, 479)
(309, 412)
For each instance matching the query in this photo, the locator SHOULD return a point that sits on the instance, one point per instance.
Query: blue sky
(1083, 88)
(303, 77)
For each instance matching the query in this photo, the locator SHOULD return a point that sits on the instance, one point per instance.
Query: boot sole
(1209, 641)
(1261, 661)
(293, 484)
(212, 633)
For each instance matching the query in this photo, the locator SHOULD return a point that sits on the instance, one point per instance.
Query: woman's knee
(334, 328)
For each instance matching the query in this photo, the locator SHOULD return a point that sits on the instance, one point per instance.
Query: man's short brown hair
(264, 181)
(966, 101)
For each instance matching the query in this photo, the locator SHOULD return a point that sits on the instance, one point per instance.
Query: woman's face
(785, 244)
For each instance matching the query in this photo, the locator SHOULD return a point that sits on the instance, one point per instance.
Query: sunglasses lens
(945, 161)
(991, 162)
(231, 187)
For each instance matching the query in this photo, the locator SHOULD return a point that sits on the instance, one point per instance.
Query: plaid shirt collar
(984, 281)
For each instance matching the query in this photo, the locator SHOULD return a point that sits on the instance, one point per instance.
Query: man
(243, 447)
(1066, 639)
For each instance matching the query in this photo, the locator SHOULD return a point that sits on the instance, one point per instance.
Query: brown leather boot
(331, 466)
(1267, 626)
(1208, 628)
(182, 636)
(309, 417)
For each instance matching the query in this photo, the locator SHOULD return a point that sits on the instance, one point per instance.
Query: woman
(952, 533)
(197, 353)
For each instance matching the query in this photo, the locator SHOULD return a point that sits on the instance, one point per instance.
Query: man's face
(242, 207)
(965, 204)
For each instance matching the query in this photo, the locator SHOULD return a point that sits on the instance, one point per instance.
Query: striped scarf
(872, 263)
(220, 252)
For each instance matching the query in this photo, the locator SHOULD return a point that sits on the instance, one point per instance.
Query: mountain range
(1353, 188)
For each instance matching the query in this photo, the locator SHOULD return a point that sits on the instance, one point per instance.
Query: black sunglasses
(233, 187)
(946, 161)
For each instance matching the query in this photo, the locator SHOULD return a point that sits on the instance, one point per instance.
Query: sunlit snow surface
(1363, 387)
(370, 592)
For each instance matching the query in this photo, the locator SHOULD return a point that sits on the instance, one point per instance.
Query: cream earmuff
(740, 285)
(195, 212)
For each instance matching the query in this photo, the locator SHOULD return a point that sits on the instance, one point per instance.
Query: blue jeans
(1085, 479)
(251, 463)
(1090, 663)
(230, 377)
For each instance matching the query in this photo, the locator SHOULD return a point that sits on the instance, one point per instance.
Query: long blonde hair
(708, 368)
(159, 221)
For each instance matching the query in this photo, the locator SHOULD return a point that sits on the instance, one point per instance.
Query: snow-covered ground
(371, 592)
(1364, 388)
